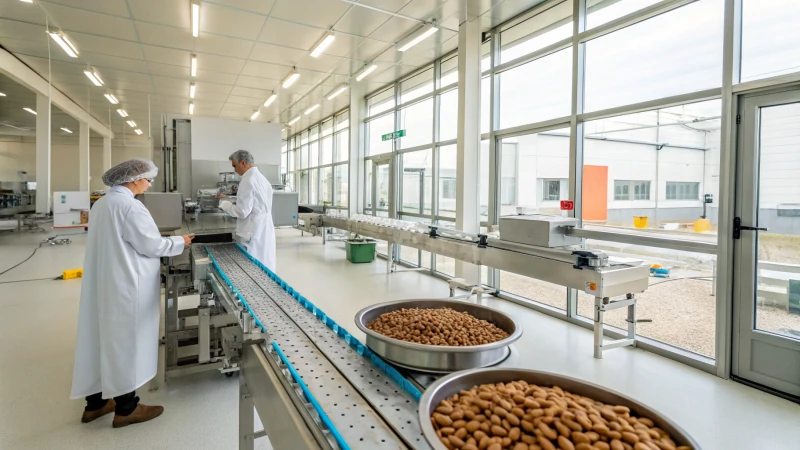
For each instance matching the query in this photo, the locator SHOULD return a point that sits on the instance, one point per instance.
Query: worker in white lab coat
(253, 210)
(117, 345)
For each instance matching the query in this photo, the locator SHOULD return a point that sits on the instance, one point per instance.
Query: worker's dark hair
(242, 155)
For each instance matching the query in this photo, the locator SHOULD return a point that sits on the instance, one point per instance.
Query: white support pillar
(83, 156)
(469, 138)
(42, 154)
(107, 154)
(355, 180)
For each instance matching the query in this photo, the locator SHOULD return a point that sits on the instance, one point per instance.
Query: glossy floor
(38, 320)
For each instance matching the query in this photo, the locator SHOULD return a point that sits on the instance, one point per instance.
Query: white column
(355, 181)
(469, 138)
(83, 156)
(106, 154)
(42, 153)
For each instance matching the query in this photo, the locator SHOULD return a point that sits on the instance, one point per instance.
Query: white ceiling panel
(222, 45)
(216, 77)
(278, 55)
(165, 84)
(323, 63)
(23, 12)
(257, 82)
(317, 13)
(425, 9)
(214, 88)
(161, 35)
(264, 70)
(107, 46)
(115, 62)
(390, 5)
(22, 31)
(168, 70)
(369, 49)
(260, 6)
(230, 22)
(287, 34)
(260, 94)
(121, 75)
(361, 21)
(71, 19)
(395, 29)
(113, 7)
(202, 97)
(165, 55)
(249, 101)
(30, 48)
(131, 86)
(174, 13)
(344, 45)
(298, 88)
(219, 63)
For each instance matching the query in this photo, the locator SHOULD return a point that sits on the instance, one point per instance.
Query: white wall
(216, 139)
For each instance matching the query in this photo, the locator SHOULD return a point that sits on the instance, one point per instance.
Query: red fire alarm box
(567, 205)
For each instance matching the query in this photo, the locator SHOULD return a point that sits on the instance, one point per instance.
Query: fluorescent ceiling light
(131, 123)
(195, 19)
(26, 1)
(289, 80)
(2, 95)
(366, 71)
(111, 98)
(63, 41)
(310, 110)
(192, 88)
(93, 76)
(271, 99)
(293, 121)
(283, 129)
(122, 113)
(322, 45)
(255, 114)
(191, 108)
(30, 111)
(137, 131)
(336, 91)
(418, 37)
(194, 65)
(67, 130)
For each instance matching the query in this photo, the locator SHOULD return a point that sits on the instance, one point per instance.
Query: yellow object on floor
(74, 273)
(640, 221)
(701, 225)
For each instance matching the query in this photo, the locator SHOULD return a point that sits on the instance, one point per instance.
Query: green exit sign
(394, 135)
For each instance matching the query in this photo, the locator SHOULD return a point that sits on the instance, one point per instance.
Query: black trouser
(126, 403)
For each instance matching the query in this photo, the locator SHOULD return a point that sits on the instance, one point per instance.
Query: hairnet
(135, 169)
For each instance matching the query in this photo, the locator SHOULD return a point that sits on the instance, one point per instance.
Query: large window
(677, 190)
(770, 36)
(376, 128)
(631, 190)
(417, 121)
(548, 27)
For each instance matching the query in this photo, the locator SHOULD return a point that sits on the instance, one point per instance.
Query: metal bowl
(453, 383)
(439, 358)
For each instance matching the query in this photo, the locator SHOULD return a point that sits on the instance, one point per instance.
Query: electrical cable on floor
(33, 279)
(29, 257)
(685, 278)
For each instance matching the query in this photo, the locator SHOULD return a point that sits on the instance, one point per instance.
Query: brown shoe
(142, 413)
(89, 416)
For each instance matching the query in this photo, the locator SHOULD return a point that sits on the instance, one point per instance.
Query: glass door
(766, 232)
(379, 187)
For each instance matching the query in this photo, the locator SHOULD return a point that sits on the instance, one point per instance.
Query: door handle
(738, 228)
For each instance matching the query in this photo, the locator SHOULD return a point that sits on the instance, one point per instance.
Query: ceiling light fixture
(417, 37)
(63, 41)
(289, 80)
(2, 95)
(337, 90)
(323, 44)
(26, 1)
(255, 114)
(30, 111)
(293, 121)
(138, 132)
(271, 99)
(93, 76)
(131, 123)
(67, 130)
(366, 71)
(195, 18)
(111, 99)
(311, 109)
(194, 65)
(122, 113)
(191, 108)
(192, 88)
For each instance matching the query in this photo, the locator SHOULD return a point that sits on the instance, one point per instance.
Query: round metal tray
(438, 358)
(453, 383)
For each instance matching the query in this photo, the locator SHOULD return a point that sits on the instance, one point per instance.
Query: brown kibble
(459, 424)
(600, 428)
(469, 447)
(547, 431)
(496, 446)
(531, 403)
(630, 438)
(514, 434)
(446, 442)
(442, 420)
(546, 444)
(616, 444)
(563, 429)
(580, 438)
(646, 422)
(447, 431)
(506, 442)
(461, 433)
(497, 430)
(446, 410)
(456, 441)
(594, 437)
(641, 446)
(600, 445)
(457, 414)
(612, 434)
(565, 444)
(518, 412)
(520, 446)
(583, 447)
(484, 442)
(473, 426)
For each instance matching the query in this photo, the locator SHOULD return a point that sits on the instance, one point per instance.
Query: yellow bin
(702, 225)
(640, 221)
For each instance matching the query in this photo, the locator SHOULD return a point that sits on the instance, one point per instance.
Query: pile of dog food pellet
(522, 416)
(436, 326)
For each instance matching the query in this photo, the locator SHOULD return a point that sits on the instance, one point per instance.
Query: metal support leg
(632, 320)
(203, 334)
(246, 417)
(601, 305)
(598, 327)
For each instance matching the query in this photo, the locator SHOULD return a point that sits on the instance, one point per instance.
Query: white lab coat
(253, 211)
(117, 346)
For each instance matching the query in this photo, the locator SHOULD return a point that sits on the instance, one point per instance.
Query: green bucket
(360, 250)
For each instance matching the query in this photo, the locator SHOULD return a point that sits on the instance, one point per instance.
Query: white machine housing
(538, 230)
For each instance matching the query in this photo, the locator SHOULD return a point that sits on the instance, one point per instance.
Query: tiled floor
(38, 320)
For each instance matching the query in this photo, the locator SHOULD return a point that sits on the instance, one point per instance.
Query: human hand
(187, 239)
(222, 196)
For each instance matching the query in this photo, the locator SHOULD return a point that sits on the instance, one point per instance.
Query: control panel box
(538, 230)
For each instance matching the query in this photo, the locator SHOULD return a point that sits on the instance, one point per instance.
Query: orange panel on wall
(595, 193)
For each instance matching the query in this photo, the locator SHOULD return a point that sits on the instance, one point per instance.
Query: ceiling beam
(24, 75)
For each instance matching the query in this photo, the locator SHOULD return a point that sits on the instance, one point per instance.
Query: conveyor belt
(365, 406)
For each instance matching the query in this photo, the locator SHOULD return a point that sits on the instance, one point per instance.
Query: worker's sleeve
(244, 201)
(140, 230)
